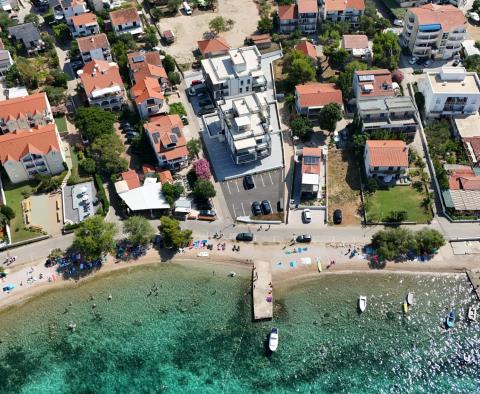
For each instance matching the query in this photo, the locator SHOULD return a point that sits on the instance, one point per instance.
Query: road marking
(271, 180)
(236, 184)
(261, 177)
(243, 209)
(234, 212)
(228, 187)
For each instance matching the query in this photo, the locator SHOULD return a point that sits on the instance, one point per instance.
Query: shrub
(101, 194)
(202, 169)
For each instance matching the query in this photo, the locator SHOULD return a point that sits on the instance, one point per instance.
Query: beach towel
(293, 264)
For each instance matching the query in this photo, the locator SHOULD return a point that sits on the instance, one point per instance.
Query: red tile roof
(261, 38)
(165, 130)
(84, 19)
(318, 94)
(382, 83)
(214, 45)
(123, 16)
(448, 16)
(307, 6)
(342, 5)
(146, 64)
(100, 74)
(286, 12)
(313, 164)
(307, 48)
(39, 140)
(165, 177)
(146, 89)
(86, 44)
(355, 41)
(132, 179)
(464, 179)
(473, 144)
(388, 153)
(24, 106)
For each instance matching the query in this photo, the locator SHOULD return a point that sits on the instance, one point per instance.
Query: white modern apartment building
(434, 31)
(239, 72)
(245, 121)
(450, 91)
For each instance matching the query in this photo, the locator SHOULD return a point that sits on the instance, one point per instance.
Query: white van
(187, 8)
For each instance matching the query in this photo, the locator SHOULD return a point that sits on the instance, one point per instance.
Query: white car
(398, 22)
(306, 216)
(413, 60)
(428, 63)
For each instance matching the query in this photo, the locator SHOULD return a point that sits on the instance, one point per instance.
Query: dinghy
(273, 339)
(362, 303)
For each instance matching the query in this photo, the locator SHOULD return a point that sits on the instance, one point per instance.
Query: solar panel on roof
(173, 138)
(366, 78)
(138, 59)
(155, 137)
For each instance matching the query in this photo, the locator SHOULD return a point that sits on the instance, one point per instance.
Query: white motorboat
(362, 303)
(410, 298)
(472, 313)
(273, 339)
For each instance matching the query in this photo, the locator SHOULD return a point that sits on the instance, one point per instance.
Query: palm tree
(194, 148)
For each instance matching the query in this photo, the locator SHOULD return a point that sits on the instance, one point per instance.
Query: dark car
(125, 125)
(196, 82)
(306, 238)
(256, 209)
(422, 61)
(245, 237)
(184, 119)
(207, 212)
(337, 216)
(203, 204)
(205, 102)
(205, 111)
(248, 182)
(131, 134)
(266, 208)
(456, 62)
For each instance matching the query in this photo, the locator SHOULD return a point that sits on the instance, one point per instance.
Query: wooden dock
(474, 278)
(262, 290)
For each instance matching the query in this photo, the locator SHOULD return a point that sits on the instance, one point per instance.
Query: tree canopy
(265, 25)
(194, 147)
(344, 81)
(301, 127)
(329, 115)
(94, 238)
(93, 122)
(139, 231)
(371, 22)
(299, 68)
(151, 39)
(172, 234)
(219, 24)
(108, 149)
(472, 63)
(203, 188)
(172, 192)
(386, 50)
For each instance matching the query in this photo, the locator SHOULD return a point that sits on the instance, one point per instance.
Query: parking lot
(318, 218)
(268, 186)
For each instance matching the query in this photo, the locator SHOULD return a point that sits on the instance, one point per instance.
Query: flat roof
(469, 84)
(467, 126)
(148, 196)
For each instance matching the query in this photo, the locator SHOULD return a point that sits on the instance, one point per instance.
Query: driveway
(268, 186)
(318, 220)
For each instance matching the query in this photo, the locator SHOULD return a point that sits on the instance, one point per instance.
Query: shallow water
(170, 328)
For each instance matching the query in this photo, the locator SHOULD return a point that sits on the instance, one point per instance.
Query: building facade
(310, 98)
(126, 20)
(451, 91)
(343, 11)
(307, 11)
(239, 72)
(26, 153)
(84, 25)
(148, 97)
(95, 47)
(434, 31)
(245, 122)
(386, 160)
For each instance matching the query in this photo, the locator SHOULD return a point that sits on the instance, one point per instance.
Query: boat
(319, 265)
(273, 339)
(405, 307)
(202, 254)
(472, 313)
(410, 298)
(362, 303)
(450, 320)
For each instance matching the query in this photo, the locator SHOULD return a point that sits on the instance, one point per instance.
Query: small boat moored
(273, 339)
(319, 265)
(410, 298)
(472, 313)
(450, 320)
(362, 303)
(405, 307)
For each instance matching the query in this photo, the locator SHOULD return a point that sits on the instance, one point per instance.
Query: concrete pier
(474, 278)
(262, 290)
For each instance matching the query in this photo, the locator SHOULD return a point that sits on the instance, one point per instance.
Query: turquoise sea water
(177, 329)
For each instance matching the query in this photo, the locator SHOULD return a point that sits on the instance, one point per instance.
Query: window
(241, 82)
(390, 168)
(375, 168)
(248, 88)
(241, 90)
(248, 81)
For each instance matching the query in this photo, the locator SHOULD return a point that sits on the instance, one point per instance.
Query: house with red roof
(68, 9)
(312, 97)
(84, 25)
(214, 47)
(357, 45)
(372, 83)
(308, 49)
(386, 159)
(131, 179)
(148, 97)
(343, 11)
(168, 142)
(144, 64)
(311, 171)
(26, 153)
(94, 47)
(126, 20)
(288, 18)
(103, 85)
(21, 113)
(303, 15)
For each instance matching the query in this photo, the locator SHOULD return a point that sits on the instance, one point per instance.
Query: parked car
(184, 120)
(413, 60)
(398, 22)
(131, 134)
(125, 125)
(421, 61)
(248, 182)
(337, 216)
(203, 204)
(456, 63)
(76, 65)
(207, 212)
(192, 91)
(245, 237)
(306, 238)
(256, 209)
(206, 110)
(196, 82)
(306, 216)
(428, 63)
(266, 207)
(206, 102)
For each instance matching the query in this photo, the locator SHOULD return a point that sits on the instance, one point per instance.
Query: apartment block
(343, 11)
(95, 47)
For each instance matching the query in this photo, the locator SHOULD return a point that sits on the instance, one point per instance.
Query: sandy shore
(232, 261)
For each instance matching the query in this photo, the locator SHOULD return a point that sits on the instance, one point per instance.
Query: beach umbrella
(83, 189)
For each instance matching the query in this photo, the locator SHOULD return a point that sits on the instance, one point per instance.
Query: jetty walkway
(474, 278)
(262, 290)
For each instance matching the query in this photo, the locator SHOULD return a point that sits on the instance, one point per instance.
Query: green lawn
(14, 196)
(397, 198)
(61, 123)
